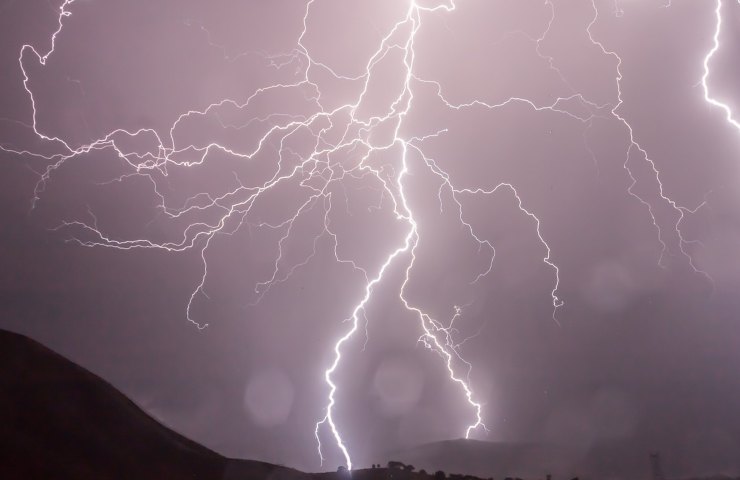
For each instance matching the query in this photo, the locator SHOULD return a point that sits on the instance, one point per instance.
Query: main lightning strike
(448, 351)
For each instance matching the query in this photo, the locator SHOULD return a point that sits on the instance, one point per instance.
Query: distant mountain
(59, 421)
(603, 461)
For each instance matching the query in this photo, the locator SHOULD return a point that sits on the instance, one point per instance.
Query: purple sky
(284, 204)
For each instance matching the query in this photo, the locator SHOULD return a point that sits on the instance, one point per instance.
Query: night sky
(253, 166)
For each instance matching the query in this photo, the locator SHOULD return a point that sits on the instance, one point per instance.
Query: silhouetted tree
(439, 475)
(408, 468)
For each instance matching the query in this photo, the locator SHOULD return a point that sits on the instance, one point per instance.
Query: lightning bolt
(328, 164)
(729, 115)
(679, 211)
(404, 213)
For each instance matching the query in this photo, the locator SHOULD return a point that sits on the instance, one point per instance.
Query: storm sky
(101, 256)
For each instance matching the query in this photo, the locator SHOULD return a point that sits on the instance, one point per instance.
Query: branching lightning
(680, 211)
(318, 172)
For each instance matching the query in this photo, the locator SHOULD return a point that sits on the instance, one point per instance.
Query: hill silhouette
(60, 421)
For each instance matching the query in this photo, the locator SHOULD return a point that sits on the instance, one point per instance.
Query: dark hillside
(57, 420)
